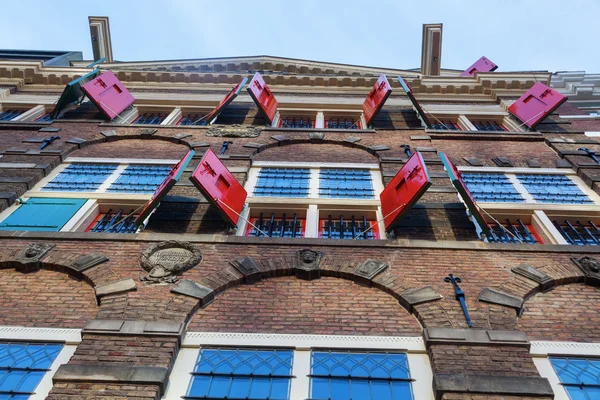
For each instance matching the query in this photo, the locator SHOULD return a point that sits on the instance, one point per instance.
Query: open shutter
(72, 93)
(263, 97)
(414, 101)
(536, 104)
(404, 190)
(42, 214)
(225, 102)
(465, 194)
(164, 187)
(108, 94)
(219, 187)
(482, 65)
(376, 98)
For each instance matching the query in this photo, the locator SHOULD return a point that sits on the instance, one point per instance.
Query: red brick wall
(45, 299)
(566, 313)
(134, 148)
(316, 152)
(328, 306)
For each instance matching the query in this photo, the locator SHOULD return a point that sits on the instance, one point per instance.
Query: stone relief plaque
(165, 261)
(239, 131)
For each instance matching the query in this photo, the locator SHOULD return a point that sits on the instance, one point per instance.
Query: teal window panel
(42, 214)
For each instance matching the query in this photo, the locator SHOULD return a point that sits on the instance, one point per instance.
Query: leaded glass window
(553, 189)
(22, 367)
(346, 183)
(579, 376)
(492, 188)
(241, 374)
(80, 178)
(283, 182)
(151, 118)
(360, 375)
(350, 228)
(193, 119)
(141, 179)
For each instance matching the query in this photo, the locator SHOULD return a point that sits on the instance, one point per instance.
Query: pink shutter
(376, 98)
(482, 65)
(536, 104)
(109, 94)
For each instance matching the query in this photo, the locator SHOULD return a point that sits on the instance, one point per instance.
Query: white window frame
(541, 351)
(463, 114)
(538, 213)
(312, 202)
(69, 338)
(320, 116)
(302, 345)
(99, 200)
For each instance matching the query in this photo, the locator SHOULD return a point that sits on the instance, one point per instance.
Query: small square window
(151, 118)
(488, 125)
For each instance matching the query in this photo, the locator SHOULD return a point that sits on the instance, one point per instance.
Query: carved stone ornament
(591, 269)
(165, 261)
(308, 264)
(238, 131)
(368, 270)
(29, 258)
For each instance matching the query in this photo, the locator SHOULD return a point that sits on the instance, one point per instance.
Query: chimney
(431, 52)
(100, 34)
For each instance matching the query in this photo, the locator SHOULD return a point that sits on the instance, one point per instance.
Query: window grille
(578, 233)
(446, 126)
(151, 118)
(282, 182)
(45, 118)
(579, 376)
(490, 126)
(342, 123)
(492, 188)
(519, 233)
(339, 228)
(241, 374)
(365, 376)
(140, 179)
(296, 122)
(114, 222)
(80, 178)
(10, 114)
(553, 189)
(193, 119)
(22, 367)
(346, 183)
(292, 227)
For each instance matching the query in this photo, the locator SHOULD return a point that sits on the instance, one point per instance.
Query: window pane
(80, 178)
(588, 393)
(577, 370)
(282, 182)
(140, 179)
(42, 215)
(345, 183)
(553, 189)
(492, 188)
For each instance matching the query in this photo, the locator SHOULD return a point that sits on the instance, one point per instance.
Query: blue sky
(516, 34)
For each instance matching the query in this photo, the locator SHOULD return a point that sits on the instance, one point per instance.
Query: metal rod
(528, 235)
(282, 229)
(353, 227)
(583, 227)
(514, 230)
(341, 226)
(294, 225)
(103, 221)
(576, 232)
(563, 232)
(329, 227)
(271, 222)
(260, 224)
(365, 236)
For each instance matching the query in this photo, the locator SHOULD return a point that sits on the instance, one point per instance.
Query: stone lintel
(258, 146)
(49, 129)
(475, 337)
(121, 286)
(112, 374)
(412, 297)
(381, 147)
(196, 290)
(534, 274)
(76, 140)
(495, 297)
(492, 385)
(352, 139)
(134, 328)
(88, 261)
(247, 267)
(365, 272)
(199, 144)
(280, 138)
(109, 133)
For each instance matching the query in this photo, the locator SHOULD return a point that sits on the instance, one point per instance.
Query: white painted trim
(545, 227)
(518, 170)
(173, 117)
(22, 333)
(579, 116)
(320, 121)
(79, 216)
(32, 114)
(294, 164)
(544, 348)
(544, 367)
(311, 229)
(180, 377)
(421, 372)
(45, 385)
(143, 161)
(112, 178)
(300, 385)
(592, 134)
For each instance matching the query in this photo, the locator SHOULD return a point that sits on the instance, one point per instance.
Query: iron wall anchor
(460, 296)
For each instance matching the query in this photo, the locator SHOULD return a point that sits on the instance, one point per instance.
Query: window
(116, 221)
(576, 232)
(515, 231)
(311, 200)
(151, 118)
(241, 374)
(45, 118)
(489, 125)
(81, 178)
(335, 122)
(296, 122)
(140, 179)
(579, 376)
(194, 119)
(22, 367)
(446, 125)
(10, 114)
(350, 375)
(42, 214)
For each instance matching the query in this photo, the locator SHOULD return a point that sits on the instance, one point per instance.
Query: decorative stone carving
(316, 136)
(239, 131)
(590, 268)
(29, 259)
(247, 267)
(368, 270)
(166, 260)
(534, 274)
(308, 264)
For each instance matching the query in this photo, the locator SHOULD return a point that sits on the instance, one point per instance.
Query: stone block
(109, 133)
(412, 297)
(368, 270)
(49, 129)
(491, 385)
(280, 138)
(88, 261)
(199, 144)
(530, 272)
(352, 139)
(495, 297)
(380, 147)
(121, 286)
(196, 290)
(247, 267)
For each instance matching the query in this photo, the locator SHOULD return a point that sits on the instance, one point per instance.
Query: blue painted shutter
(42, 214)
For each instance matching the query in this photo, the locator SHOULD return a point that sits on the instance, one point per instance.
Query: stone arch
(303, 141)
(246, 270)
(112, 143)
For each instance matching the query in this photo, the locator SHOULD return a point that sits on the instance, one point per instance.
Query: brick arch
(285, 145)
(265, 268)
(147, 146)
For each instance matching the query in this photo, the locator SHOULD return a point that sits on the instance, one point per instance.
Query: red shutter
(376, 98)
(225, 102)
(404, 190)
(219, 187)
(108, 94)
(164, 187)
(463, 191)
(536, 104)
(481, 65)
(414, 101)
(263, 97)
